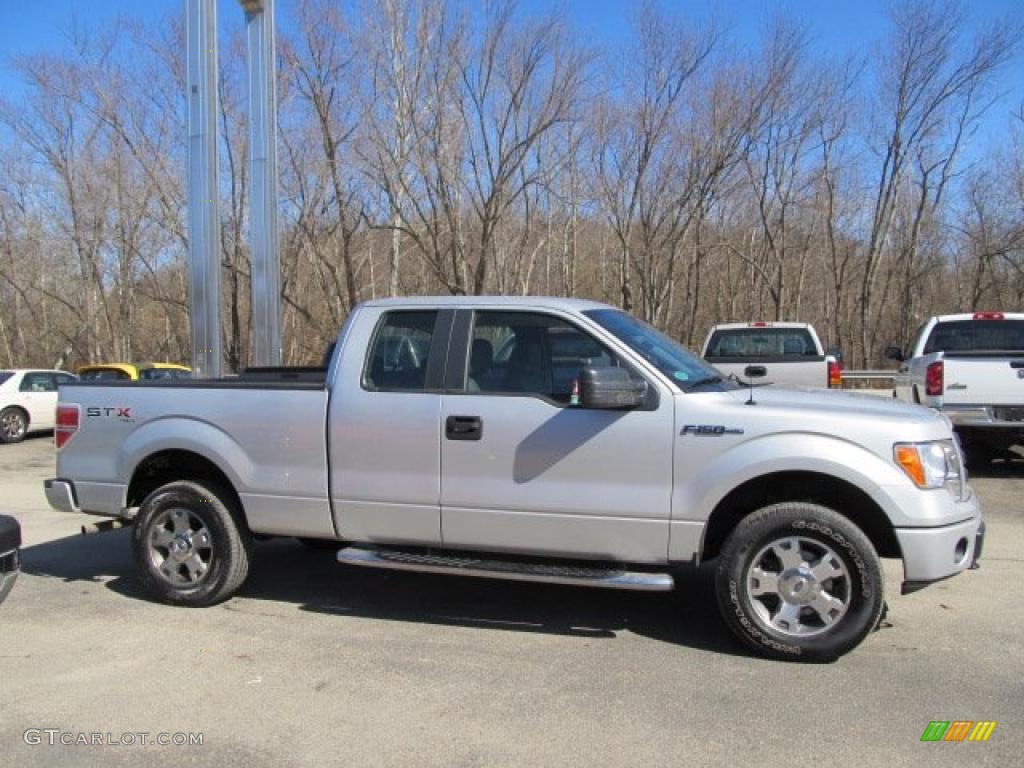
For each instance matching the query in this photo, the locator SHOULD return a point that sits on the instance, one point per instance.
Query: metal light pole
(263, 234)
(203, 214)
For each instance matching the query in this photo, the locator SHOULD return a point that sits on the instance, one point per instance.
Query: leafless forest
(435, 147)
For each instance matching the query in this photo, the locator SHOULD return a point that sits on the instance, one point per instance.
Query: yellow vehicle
(133, 371)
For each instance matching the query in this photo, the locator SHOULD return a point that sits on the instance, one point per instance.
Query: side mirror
(755, 371)
(610, 388)
(835, 352)
(894, 353)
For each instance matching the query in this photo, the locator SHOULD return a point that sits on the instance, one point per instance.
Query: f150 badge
(710, 430)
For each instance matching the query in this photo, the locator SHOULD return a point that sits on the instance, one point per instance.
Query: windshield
(668, 356)
(976, 336)
(5, 375)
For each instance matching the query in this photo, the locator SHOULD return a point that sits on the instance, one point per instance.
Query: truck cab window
(529, 353)
(397, 360)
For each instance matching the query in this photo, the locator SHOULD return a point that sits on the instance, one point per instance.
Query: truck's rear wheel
(191, 544)
(797, 581)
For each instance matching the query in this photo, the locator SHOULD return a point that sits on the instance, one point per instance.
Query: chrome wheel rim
(798, 586)
(13, 424)
(180, 547)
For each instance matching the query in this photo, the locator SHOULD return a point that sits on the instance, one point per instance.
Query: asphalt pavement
(320, 664)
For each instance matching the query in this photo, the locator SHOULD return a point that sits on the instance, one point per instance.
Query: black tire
(13, 425)
(815, 530)
(225, 550)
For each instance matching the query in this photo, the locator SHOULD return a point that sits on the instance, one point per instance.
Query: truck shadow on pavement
(286, 572)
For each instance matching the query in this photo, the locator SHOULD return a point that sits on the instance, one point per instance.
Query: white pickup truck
(789, 354)
(970, 367)
(537, 439)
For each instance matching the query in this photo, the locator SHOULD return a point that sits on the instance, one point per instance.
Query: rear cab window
(155, 374)
(400, 352)
(756, 344)
(976, 336)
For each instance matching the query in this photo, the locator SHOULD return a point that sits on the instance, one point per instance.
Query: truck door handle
(464, 428)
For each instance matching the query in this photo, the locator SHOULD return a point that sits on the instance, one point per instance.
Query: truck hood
(817, 403)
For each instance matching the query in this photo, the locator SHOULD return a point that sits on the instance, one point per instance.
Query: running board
(466, 565)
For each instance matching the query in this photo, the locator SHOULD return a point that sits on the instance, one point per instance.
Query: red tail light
(67, 424)
(835, 375)
(988, 315)
(933, 379)
(760, 324)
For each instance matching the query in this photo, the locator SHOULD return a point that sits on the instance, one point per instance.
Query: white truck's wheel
(191, 545)
(798, 581)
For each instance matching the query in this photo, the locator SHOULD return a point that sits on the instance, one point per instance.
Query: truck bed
(250, 378)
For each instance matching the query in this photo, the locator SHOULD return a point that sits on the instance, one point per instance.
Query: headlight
(932, 465)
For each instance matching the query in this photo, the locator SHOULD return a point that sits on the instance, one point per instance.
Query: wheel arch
(840, 495)
(170, 465)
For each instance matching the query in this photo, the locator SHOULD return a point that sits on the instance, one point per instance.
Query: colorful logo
(958, 730)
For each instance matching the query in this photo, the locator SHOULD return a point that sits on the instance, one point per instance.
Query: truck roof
(536, 302)
(979, 316)
(759, 324)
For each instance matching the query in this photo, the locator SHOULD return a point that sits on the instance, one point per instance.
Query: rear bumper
(982, 416)
(61, 495)
(933, 554)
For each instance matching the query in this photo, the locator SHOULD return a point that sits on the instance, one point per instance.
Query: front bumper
(10, 558)
(933, 554)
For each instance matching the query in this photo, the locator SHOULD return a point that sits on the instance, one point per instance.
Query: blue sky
(833, 26)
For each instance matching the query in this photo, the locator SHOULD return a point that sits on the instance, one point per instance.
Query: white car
(28, 401)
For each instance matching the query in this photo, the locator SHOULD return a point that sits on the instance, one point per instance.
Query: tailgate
(803, 373)
(983, 380)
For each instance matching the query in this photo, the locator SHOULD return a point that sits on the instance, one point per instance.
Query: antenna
(753, 372)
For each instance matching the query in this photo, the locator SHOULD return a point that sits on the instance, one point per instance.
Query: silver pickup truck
(547, 440)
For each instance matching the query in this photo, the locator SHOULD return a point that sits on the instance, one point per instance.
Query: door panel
(560, 480)
(384, 428)
(544, 474)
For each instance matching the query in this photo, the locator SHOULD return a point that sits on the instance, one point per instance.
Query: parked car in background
(971, 367)
(790, 353)
(28, 401)
(10, 541)
(133, 371)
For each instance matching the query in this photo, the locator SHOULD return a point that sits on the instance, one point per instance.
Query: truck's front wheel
(191, 544)
(800, 582)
